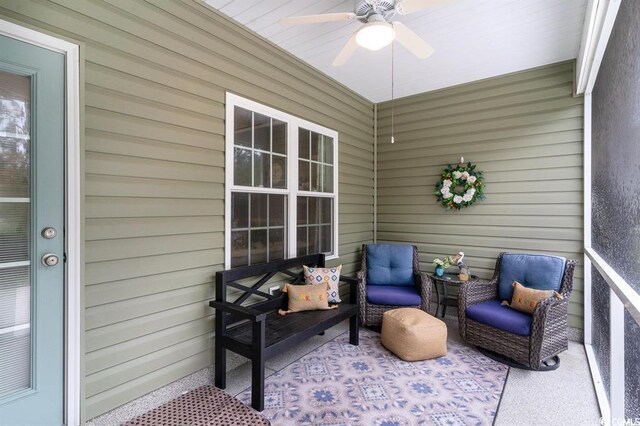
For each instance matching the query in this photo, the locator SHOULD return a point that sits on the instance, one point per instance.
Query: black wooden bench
(257, 331)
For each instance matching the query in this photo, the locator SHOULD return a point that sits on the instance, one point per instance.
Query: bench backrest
(263, 273)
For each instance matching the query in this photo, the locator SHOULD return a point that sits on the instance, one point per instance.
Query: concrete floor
(562, 397)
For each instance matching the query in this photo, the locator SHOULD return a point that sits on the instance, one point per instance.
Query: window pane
(303, 176)
(261, 132)
(242, 167)
(303, 143)
(325, 239)
(279, 136)
(258, 210)
(279, 172)
(326, 211)
(276, 210)
(327, 179)
(242, 126)
(239, 248)
(328, 150)
(258, 246)
(302, 210)
(302, 241)
(14, 165)
(261, 169)
(239, 210)
(276, 244)
(15, 363)
(315, 177)
(314, 239)
(14, 232)
(315, 146)
(314, 210)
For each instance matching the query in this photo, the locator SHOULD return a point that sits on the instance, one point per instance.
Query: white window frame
(292, 191)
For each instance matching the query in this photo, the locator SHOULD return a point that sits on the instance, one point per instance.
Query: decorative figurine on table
(441, 265)
(465, 273)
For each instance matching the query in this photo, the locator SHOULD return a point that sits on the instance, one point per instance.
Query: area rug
(341, 384)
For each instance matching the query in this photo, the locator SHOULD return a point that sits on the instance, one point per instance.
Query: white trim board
(601, 393)
(586, 219)
(72, 207)
(598, 24)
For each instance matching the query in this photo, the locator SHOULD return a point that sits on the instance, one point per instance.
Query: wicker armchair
(415, 294)
(548, 323)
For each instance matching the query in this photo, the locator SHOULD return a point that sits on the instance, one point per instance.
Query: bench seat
(257, 331)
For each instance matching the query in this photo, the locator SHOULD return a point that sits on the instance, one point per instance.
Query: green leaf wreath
(459, 186)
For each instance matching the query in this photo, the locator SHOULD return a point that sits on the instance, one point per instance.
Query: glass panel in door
(15, 213)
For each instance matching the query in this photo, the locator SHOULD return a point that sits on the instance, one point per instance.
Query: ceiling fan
(378, 31)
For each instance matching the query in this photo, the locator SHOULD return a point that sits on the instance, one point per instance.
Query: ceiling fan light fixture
(375, 35)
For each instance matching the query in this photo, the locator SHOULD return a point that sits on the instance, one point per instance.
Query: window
(281, 192)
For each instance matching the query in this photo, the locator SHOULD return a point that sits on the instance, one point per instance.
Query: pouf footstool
(413, 335)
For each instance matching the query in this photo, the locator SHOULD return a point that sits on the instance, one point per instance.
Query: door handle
(49, 233)
(50, 259)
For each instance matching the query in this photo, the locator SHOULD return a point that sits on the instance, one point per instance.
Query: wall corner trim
(598, 24)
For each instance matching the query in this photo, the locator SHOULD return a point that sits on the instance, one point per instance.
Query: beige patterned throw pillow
(330, 276)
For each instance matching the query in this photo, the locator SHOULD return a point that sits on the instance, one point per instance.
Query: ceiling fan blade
(412, 41)
(409, 6)
(346, 51)
(316, 19)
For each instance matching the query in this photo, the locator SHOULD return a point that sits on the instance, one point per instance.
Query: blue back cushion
(389, 264)
(537, 271)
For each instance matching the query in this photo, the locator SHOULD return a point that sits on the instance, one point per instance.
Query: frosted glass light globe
(375, 35)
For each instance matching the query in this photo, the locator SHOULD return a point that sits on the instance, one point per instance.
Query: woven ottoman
(413, 335)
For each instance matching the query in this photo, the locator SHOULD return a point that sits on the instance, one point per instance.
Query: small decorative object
(441, 265)
(459, 186)
(465, 273)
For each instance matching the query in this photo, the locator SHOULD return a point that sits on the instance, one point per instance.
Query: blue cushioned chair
(390, 278)
(531, 340)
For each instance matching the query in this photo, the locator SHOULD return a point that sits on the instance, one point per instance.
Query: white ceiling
(473, 39)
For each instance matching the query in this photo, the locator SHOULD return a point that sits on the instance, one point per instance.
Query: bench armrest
(241, 311)
(350, 280)
(353, 288)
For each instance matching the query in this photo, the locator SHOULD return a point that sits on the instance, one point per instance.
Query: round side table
(447, 288)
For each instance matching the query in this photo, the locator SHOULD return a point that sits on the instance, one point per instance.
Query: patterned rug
(341, 384)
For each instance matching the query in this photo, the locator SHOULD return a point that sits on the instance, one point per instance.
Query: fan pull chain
(392, 138)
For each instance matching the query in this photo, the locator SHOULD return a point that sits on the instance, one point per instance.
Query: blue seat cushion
(393, 295)
(537, 271)
(493, 314)
(389, 264)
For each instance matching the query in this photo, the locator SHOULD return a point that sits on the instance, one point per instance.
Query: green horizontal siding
(155, 77)
(524, 131)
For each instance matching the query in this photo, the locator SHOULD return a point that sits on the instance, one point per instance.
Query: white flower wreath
(459, 186)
